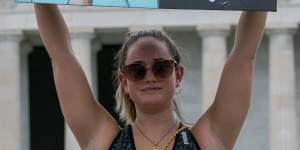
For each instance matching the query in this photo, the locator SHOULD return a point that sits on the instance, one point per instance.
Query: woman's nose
(149, 75)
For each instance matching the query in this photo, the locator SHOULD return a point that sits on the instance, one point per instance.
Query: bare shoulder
(103, 137)
(205, 135)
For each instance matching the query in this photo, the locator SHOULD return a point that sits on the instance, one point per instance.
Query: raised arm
(224, 119)
(88, 120)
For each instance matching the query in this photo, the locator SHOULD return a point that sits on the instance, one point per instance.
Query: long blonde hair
(125, 106)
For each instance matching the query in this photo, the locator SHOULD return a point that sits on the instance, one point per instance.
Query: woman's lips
(151, 89)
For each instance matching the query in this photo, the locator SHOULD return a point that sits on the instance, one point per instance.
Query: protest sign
(268, 5)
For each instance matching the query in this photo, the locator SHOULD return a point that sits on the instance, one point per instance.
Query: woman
(148, 74)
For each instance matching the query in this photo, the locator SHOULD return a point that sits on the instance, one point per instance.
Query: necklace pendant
(155, 147)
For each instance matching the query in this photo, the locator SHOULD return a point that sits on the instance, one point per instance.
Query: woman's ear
(122, 81)
(179, 74)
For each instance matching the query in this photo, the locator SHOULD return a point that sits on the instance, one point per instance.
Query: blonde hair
(125, 106)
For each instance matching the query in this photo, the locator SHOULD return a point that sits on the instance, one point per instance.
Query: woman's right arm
(91, 124)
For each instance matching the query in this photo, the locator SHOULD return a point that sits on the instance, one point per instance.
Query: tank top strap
(185, 140)
(124, 140)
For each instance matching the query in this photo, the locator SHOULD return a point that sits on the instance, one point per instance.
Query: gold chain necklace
(172, 137)
(155, 144)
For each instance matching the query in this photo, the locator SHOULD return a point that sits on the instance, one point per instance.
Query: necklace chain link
(170, 139)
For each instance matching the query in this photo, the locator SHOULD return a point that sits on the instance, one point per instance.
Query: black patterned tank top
(184, 140)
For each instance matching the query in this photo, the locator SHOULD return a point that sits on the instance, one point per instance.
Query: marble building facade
(206, 37)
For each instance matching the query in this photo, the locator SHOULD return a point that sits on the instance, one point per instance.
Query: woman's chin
(151, 99)
(152, 102)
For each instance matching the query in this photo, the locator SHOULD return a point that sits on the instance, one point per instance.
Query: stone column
(213, 60)
(96, 48)
(10, 90)
(138, 28)
(283, 125)
(287, 2)
(25, 48)
(81, 44)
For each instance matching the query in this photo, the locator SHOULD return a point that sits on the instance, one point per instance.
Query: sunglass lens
(135, 72)
(163, 69)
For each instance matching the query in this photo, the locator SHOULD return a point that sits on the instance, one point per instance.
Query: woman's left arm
(227, 114)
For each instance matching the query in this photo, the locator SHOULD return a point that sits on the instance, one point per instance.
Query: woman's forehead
(147, 49)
